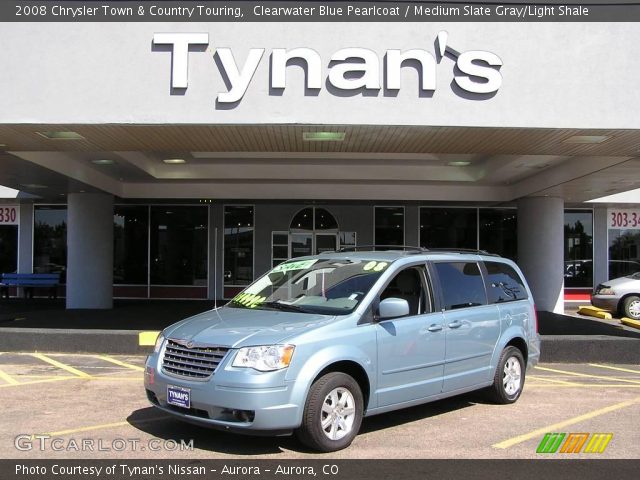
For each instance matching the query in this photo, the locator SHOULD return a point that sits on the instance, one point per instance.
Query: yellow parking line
(615, 379)
(620, 369)
(558, 426)
(553, 380)
(58, 364)
(102, 426)
(8, 378)
(583, 385)
(22, 384)
(118, 362)
(87, 429)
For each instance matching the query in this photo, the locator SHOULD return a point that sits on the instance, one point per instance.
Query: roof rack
(463, 250)
(410, 249)
(405, 248)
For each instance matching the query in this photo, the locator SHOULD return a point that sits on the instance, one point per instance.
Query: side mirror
(393, 308)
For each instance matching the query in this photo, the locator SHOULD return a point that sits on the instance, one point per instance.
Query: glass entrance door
(326, 242)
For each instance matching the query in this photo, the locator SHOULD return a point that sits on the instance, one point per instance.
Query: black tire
(311, 432)
(498, 392)
(631, 307)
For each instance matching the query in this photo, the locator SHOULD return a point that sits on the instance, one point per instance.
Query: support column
(541, 250)
(90, 251)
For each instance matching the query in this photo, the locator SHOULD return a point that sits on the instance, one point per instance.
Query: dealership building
(183, 160)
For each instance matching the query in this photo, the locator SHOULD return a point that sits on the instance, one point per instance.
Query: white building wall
(554, 75)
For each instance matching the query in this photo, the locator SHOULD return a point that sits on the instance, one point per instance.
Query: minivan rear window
(461, 284)
(503, 283)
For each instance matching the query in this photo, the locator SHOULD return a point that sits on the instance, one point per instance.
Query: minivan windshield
(325, 286)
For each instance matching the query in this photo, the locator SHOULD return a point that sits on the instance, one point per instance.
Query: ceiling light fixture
(63, 135)
(459, 163)
(174, 161)
(33, 186)
(323, 136)
(586, 139)
(102, 161)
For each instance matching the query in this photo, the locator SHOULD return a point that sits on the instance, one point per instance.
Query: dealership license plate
(178, 396)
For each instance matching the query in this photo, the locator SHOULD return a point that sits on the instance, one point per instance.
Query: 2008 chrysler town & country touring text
(319, 342)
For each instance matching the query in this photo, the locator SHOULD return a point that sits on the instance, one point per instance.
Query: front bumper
(606, 302)
(232, 399)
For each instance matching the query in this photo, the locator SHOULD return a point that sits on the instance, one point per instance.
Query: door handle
(455, 324)
(435, 328)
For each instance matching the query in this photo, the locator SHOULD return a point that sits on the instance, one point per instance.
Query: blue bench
(29, 282)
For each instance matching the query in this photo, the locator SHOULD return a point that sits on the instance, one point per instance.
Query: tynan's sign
(349, 68)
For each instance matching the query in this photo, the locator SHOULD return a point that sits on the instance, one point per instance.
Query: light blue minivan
(319, 342)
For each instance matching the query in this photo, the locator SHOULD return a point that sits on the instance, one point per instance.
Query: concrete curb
(555, 348)
(71, 341)
(590, 348)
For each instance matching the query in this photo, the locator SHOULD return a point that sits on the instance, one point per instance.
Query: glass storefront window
(624, 246)
(179, 245)
(130, 244)
(50, 240)
(8, 248)
(448, 227)
(499, 231)
(238, 245)
(388, 226)
(578, 248)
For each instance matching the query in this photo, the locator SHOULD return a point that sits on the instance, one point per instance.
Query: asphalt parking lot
(79, 406)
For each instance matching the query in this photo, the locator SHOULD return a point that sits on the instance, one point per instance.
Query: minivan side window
(503, 283)
(461, 284)
(409, 285)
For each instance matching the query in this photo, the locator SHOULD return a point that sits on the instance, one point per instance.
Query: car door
(472, 327)
(410, 348)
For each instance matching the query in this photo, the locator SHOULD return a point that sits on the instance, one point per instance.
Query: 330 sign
(623, 218)
(9, 215)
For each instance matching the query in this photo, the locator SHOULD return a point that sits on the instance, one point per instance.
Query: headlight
(159, 342)
(264, 358)
(606, 291)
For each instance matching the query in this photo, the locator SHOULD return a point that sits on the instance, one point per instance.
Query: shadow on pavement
(160, 425)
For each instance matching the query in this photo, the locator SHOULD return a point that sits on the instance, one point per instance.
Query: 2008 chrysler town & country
(321, 341)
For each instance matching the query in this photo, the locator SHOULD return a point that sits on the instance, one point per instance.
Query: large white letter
(370, 78)
(394, 62)
(239, 80)
(180, 53)
(279, 59)
(492, 75)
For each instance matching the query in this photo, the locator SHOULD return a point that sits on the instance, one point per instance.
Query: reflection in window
(388, 226)
(238, 245)
(499, 231)
(464, 285)
(623, 252)
(505, 285)
(8, 248)
(130, 244)
(50, 240)
(448, 228)
(578, 248)
(179, 245)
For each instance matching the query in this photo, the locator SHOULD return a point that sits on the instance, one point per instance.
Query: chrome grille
(197, 362)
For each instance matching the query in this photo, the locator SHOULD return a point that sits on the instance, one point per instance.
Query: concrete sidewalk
(45, 325)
